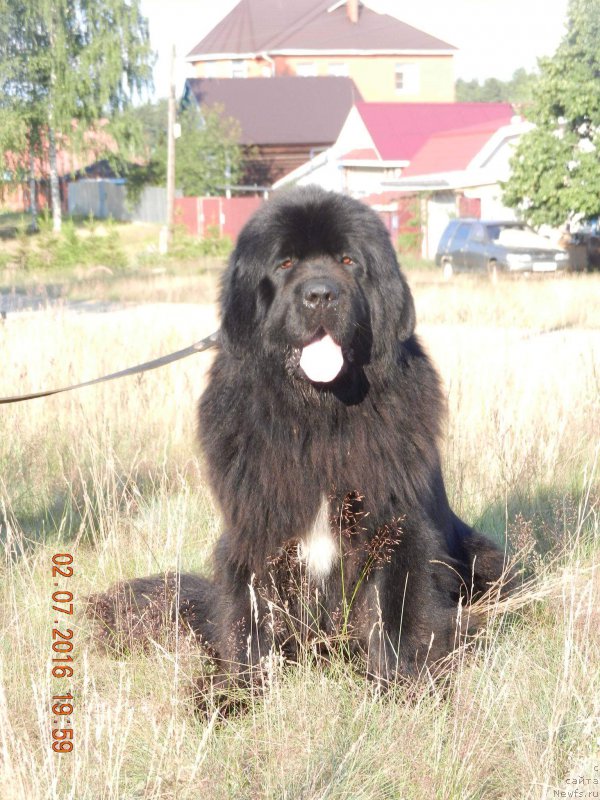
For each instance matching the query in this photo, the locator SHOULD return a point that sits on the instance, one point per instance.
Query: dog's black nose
(320, 293)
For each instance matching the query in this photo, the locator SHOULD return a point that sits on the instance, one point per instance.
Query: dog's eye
(347, 261)
(286, 264)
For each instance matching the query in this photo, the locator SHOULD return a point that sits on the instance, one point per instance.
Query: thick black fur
(166, 609)
(276, 444)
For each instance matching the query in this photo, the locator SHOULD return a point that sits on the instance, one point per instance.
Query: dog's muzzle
(320, 293)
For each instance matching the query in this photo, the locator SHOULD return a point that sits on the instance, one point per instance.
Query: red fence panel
(186, 213)
(210, 216)
(221, 216)
(236, 212)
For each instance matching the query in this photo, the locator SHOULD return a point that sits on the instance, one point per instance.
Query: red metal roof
(281, 111)
(400, 130)
(451, 150)
(259, 26)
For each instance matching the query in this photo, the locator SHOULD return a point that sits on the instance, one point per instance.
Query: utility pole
(32, 189)
(168, 233)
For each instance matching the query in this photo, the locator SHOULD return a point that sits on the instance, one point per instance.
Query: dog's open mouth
(322, 360)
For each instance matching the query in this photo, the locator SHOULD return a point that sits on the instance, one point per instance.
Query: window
(399, 78)
(461, 236)
(477, 233)
(306, 69)
(210, 69)
(338, 70)
(239, 69)
(407, 78)
(495, 231)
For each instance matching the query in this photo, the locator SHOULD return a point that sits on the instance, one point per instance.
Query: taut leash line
(197, 347)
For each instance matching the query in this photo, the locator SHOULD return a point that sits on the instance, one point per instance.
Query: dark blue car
(480, 246)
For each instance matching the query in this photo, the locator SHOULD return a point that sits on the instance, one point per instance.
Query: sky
(494, 37)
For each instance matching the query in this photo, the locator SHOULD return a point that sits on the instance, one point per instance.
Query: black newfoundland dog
(320, 427)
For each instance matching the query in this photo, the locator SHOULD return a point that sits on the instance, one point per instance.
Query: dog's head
(314, 281)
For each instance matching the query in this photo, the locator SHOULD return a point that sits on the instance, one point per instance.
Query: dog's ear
(238, 304)
(408, 315)
(393, 315)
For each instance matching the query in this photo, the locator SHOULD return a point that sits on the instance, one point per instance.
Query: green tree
(152, 118)
(522, 87)
(555, 171)
(64, 64)
(208, 157)
(519, 89)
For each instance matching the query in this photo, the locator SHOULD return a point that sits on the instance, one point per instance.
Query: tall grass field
(111, 477)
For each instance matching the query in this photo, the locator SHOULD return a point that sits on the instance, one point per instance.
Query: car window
(523, 238)
(477, 233)
(461, 235)
(446, 236)
(495, 231)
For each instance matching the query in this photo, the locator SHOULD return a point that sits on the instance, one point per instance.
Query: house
(458, 173)
(387, 59)
(420, 164)
(283, 121)
(378, 142)
(86, 160)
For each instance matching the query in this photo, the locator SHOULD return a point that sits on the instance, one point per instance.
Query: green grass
(112, 475)
(413, 262)
(13, 219)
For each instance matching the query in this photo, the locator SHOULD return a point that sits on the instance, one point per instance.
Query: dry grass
(538, 302)
(190, 285)
(111, 474)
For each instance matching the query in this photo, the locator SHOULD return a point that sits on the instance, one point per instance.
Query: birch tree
(64, 65)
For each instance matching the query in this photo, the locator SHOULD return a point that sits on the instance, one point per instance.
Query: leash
(197, 347)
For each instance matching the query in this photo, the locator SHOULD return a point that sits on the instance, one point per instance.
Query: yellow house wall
(375, 76)
(256, 68)
(375, 79)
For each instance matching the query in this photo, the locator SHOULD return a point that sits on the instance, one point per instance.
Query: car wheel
(447, 269)
(493, 271)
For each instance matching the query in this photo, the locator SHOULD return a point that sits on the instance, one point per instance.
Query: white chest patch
(318, 549)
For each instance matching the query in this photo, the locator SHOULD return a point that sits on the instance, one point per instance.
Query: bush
(70, 248)
(187, 248)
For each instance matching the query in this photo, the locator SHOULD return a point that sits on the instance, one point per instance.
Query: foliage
(71, 248)
(13, 139)
(410, 235)
(190, 248)
(207, 154)
(149, 122)
(152, 118)
(409, 240)
(556, 167)
(518, 90)
(65, 64)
